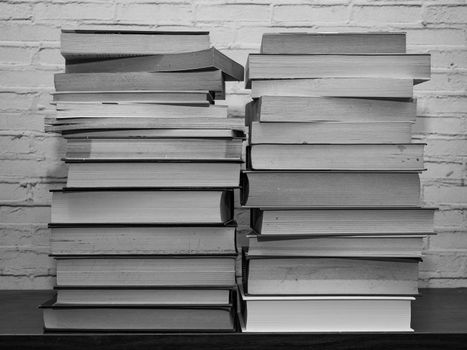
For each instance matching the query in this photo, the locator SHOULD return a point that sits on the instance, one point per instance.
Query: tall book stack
(333, 184)
(143, 233)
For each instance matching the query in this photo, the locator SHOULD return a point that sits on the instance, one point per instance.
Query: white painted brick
(445, 14)
(449, 240)
(388, 14)
(156, 14)
(443, 170)
(17, 55)
(19, 235)
(26, 31)
(24, 214)
(59, 11)
(441, 105)
(21, 121)
(435, 195)
(15, 10)
(232, 12)
(446, 147)
(11, 101)
(35, 168)
(440, 125)
(443, 81)
(450, 220)
(311, 14)
(49, 57)
(442, 263)
(435, 37)
(26, 79)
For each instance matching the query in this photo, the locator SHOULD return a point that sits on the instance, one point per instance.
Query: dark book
(318, 222)
(289, 189)
(181, 81)
(296, 109)
(202, 98)
(150, 271)
(384, 157)
(156, 149)
(334, 87)
(416, 67)
(332, 43)
(306, 275)
(210, 59)
(142, 206)
(330, 132)
(143, 318)
(147, 240)
(107, 174)
(93, 44)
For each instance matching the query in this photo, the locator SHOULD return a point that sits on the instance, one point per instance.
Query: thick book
(339, 222)
(142, 240)
(100, 110)
(154, 133)
(334, 87)
(138, 318)
(297, 109)
(92, 44)
(308, 189)
(292, 275)
(143, 96)
(142, 206)
(110, 123)
(153, 174)
(384, 157)
(156, 149)
(325, 313)
(332, 43)
(126, 271)
(209, 59)
(379, 246)
(416, 67)
(330, 132)
(143, 296)
(180, 81)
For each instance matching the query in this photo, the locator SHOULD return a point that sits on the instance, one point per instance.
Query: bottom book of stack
(141, 309)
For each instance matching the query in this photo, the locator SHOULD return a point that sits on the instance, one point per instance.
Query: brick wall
(29, 56)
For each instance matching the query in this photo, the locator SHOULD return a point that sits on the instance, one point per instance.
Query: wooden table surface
(439, 318)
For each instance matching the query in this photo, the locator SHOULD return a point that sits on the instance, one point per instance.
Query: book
(289, 189)
(326, 313)
(330, 132)
(142, 206)
(100, 110)
(125, 271)
(207, 80)
(330, 276)
(334, 87)
(142, 96)
(332, 43)
(143, 296)
(156, 149)
(109, 123)
(154, 133)
(416, 67)
(209, 59)
(120, 43)
(142, 240)
(152, 174)
(404, 246)
(297, 109)
(399, 157)
(338, 221)
(140, 318)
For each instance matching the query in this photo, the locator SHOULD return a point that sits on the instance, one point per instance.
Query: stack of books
(143, 233)
(333, 184)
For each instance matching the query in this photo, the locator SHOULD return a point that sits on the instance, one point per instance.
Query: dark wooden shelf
(439, 320)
